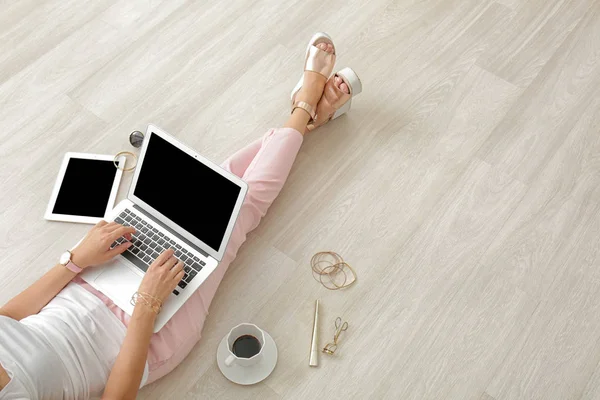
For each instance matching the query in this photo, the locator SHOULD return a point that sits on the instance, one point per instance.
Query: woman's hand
(163, 276)
(95, 248)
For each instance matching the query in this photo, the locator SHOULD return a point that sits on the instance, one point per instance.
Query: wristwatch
(65, 259)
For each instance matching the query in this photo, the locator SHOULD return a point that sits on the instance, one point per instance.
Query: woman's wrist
(144, 311)
(78, 260)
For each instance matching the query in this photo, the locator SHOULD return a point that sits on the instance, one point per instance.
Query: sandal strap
(306, 107)
(319, 61)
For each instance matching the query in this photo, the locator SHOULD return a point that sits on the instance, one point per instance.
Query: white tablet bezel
(49, 215)
(218, 253)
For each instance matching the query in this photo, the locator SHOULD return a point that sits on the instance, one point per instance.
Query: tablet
(85, 189)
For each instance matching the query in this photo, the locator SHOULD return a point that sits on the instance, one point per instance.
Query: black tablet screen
(85, 188)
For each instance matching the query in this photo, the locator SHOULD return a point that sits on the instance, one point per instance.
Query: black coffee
(246, 346)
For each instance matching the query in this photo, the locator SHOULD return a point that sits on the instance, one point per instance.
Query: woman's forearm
(35, 297)
(126, 375)
(94, 249)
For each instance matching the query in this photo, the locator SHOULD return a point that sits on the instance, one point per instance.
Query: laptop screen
(186, 191)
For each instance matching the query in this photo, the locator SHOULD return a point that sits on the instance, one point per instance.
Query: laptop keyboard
(148, 243)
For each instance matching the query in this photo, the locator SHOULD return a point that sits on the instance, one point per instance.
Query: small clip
(330, 348)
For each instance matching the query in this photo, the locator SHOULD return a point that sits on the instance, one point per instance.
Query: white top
(66, 351)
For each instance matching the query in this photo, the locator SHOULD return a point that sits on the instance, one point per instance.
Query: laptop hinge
(172, 232)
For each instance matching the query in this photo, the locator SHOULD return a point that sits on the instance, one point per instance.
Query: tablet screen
(85, 188)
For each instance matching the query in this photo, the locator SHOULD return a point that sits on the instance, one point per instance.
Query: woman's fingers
(164, 256)
(170, 263)
(178, 276)
(177, 268)
(111, 226)
(101, 223)
(119, 249)
(121, 231)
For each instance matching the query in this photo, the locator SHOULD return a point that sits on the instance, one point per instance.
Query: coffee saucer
(254, 373)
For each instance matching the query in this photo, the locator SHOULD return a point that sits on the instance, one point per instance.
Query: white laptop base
(119, 279)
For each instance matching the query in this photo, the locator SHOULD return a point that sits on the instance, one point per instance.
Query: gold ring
(121, 153)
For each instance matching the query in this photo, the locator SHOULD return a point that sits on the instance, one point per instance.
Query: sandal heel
(343, 109)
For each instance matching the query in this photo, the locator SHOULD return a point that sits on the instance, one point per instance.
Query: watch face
(65, 258)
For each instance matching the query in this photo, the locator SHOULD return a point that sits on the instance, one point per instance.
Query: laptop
(179, 200)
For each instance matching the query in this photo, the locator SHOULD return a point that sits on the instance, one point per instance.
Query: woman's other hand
(163, 276)
(95, 249)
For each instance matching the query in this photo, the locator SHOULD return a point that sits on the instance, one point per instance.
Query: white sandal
(318, 61)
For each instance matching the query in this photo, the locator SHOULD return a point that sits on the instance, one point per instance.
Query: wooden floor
(464, 186)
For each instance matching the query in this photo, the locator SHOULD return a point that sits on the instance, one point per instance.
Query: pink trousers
(265, 165)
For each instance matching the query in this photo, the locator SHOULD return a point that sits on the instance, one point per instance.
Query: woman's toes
(326, 47)
(337, 80)
(344, 88)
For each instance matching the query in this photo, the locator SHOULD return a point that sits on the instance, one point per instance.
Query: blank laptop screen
(186, 191)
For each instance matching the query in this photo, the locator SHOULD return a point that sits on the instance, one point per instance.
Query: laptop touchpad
(119, 281)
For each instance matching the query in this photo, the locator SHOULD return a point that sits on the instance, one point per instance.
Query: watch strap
(72, 267)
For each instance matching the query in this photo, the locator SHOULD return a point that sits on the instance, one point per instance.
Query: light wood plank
(532, 36)
(27, 37)
(34, 88)
(558, 351)
(592, 389)
(539, 122)
(134, 18)
(562, 198)
(214, 385)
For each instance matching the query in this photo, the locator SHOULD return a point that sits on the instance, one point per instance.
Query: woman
(62, 339)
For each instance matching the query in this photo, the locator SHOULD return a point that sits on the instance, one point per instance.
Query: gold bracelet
(142, 300)
(125, 153)
(146, 298)
(145, 294)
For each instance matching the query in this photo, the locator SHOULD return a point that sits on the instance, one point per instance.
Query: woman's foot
(318, 64)
(313, 82)
(340, 84)
(336, 98)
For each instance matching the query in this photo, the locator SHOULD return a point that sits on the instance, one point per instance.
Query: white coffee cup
(234, 334)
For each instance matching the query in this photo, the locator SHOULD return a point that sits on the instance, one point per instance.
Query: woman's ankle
(312, 89)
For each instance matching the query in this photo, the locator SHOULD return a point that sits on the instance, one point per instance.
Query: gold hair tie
(330, 270)
(122, 153)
